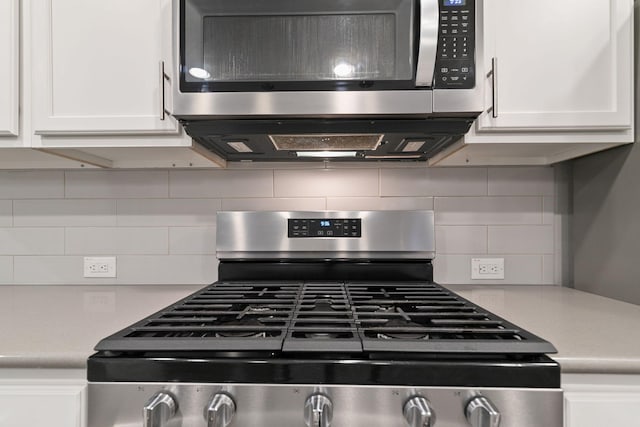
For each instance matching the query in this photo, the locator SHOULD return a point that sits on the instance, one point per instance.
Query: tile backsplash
(161, 224)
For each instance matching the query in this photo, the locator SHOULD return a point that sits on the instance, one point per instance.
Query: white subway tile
(548, 210)
(31, 241)
(112, 240)
(6, 269)
(527, 239)
(45, 270)
(170, 269)
(521, 181)
(518, 270)
(31, 184)
(548, 270)
(221, 183)
(326, 182)
(274, 204)
(434, 182)
(488, 210)
(175, 212)
(192, 240)
(461, 239)
(6, 213)
(71, 213)
(380, 203)
(116, 184)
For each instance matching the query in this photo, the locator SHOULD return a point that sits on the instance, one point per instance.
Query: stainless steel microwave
(277, 79)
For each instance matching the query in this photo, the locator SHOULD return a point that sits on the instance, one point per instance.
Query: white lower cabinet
(601, 400)
(53, 400)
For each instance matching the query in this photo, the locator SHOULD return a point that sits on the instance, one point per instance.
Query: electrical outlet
(99, 266)
(487, 268)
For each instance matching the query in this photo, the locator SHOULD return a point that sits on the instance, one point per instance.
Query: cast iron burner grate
(352, 317)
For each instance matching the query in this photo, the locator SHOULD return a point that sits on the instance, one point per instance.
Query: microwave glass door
(249, 45)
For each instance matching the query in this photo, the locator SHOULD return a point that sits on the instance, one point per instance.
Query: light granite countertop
(57, 326)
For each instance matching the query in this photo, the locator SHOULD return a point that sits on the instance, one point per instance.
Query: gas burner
(246, 328)
(257, 308)
(401, 334)
(321, 335)
(385, 309)
(322, 304)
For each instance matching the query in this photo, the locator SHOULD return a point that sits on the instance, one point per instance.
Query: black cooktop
(329, 318)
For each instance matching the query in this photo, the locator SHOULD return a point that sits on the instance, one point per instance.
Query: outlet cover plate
(99, 266)
(487, 268)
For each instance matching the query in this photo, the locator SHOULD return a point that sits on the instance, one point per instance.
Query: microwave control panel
(455, 61)
(325, 227)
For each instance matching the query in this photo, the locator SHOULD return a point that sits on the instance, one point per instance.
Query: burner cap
(244, 330)
(320, 335)
(401, 334)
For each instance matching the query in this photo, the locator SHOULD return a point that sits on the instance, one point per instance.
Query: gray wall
(606, 215)
(606, 223)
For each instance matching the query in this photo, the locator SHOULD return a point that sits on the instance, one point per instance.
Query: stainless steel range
(324, 319)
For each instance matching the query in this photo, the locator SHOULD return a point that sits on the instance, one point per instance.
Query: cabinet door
(9, 83)
(559, 65)
(601, 409)
(96, 66)
(50, 406)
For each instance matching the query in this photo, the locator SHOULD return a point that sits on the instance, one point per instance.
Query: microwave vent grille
(327, 142)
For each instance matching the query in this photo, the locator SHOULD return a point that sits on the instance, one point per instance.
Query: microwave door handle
(428, 49)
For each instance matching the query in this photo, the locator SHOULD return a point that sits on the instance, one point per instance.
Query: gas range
(324, 318)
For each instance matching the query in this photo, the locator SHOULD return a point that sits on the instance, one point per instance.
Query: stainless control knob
(480, 412)
(220, 411)
(318, 411)
(159, 410)
(418, 413)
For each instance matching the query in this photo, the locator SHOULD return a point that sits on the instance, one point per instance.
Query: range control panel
(455, 61)
(325, 227)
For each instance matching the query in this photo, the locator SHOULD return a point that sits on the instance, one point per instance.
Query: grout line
(168, 184)
(487, 245)
(273, 183)
(168, 240)
(487, 181)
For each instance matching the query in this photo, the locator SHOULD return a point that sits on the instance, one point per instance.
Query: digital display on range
(455, 2)
(323, 227)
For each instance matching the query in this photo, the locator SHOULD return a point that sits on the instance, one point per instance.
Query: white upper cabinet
(559, 83)
(95, 66)
(9, 58)
(558, 66)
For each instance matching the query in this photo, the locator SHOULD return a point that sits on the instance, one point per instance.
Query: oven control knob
(318, 411)
(220, 411)
(159, 410)
(480, 412)
(418, 413)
